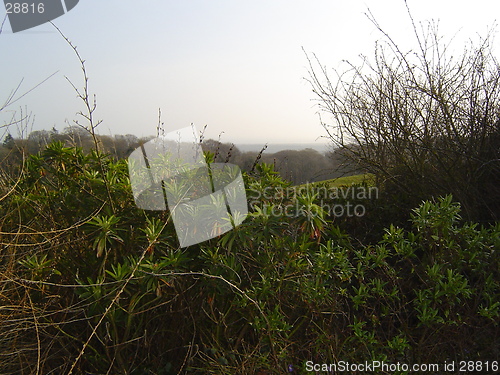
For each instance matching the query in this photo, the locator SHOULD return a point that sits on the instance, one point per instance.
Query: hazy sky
(235, 66)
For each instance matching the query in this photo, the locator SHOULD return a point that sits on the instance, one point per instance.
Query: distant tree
(246, 160)
(8, 141)
(300, 166)
(224, 152)
(123, 145)
(40, 137)
(76, 131)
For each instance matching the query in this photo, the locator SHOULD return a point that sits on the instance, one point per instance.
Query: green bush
(90, 281)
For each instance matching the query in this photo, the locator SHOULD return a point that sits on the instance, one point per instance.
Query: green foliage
(89, 271)
(106, 232)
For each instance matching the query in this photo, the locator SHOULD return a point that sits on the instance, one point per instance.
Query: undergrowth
(90, 284)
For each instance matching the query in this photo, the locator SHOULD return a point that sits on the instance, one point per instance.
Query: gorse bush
(92, 284)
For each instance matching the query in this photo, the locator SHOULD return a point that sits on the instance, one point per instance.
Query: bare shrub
(424, 121)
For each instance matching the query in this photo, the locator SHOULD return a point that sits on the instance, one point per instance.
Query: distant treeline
(298, 167)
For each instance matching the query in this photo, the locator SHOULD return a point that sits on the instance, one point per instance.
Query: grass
(348, 180)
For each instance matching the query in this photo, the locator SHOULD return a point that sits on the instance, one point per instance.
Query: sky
(237, 67)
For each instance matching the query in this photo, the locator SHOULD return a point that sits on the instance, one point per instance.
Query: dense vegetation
(91, 281)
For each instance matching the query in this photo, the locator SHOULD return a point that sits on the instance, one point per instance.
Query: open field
(348, 180)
